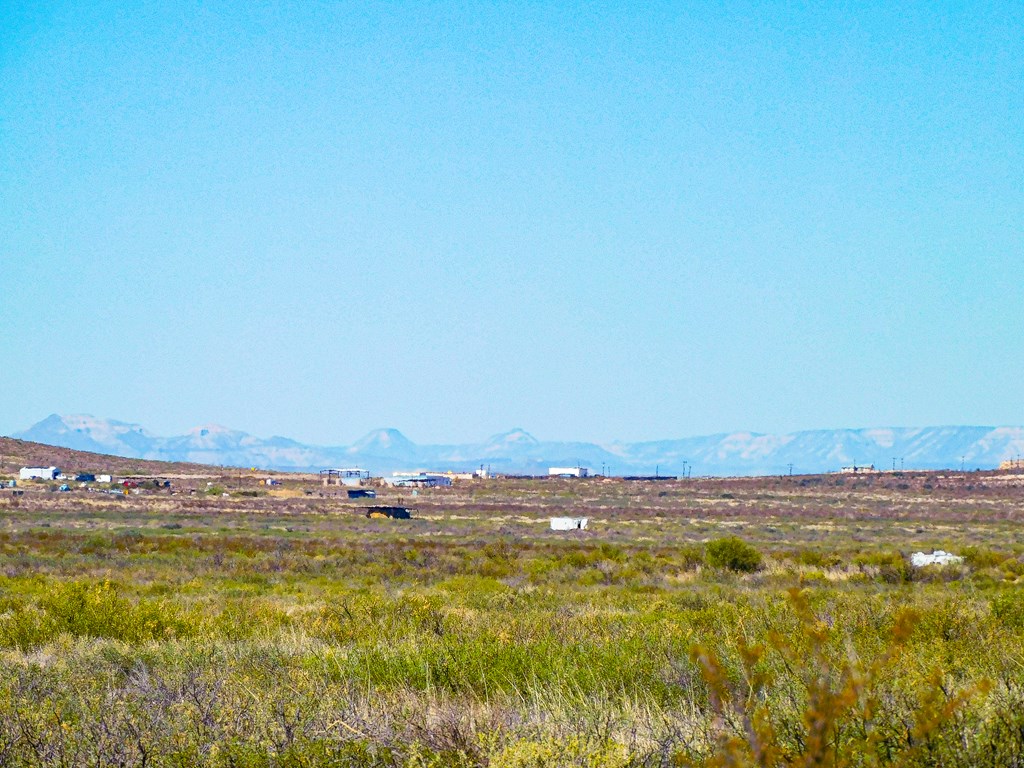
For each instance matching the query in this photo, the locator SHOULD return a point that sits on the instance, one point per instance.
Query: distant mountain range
(388, 450)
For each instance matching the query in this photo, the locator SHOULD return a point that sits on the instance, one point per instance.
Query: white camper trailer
(568, 472)
(38, 473)
(568, 523)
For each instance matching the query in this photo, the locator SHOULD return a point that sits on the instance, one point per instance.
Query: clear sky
(597, 221)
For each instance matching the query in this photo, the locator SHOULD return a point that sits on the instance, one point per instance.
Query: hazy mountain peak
(516, 436)
(212, 430)
(386, 450)
(382, 441)
(55, 419)
(85, 422)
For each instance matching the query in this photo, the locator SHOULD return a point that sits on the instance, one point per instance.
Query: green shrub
(817, 559)
(733, 554)
(555, 753)
(690, 556)
(1009, 610)
(892, 567)
(1013, 568)
(834, 697)
(85, 609)
(978, 557)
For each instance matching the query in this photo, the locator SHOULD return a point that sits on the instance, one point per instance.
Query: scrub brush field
(769, 621)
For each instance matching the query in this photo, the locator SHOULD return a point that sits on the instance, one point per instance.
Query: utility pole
(893, 463)
(790, 469)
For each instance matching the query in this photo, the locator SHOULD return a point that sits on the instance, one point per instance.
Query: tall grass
(253, 642)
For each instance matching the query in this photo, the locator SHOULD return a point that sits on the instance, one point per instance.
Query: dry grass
(285, 628)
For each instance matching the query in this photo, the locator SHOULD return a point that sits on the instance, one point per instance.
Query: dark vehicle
(362, 493)
(397, 513)
(85, 477)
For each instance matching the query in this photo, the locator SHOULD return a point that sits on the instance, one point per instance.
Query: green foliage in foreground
(473, 672)
(733, 553)
(179, 649)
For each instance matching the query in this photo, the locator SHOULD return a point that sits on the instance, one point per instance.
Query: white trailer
(568, 523)
(568, 471)
(38, 473)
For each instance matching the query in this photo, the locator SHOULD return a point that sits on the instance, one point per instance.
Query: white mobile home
(38, 473)
(568, 471)
(568, 523)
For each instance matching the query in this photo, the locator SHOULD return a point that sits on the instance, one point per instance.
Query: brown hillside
(15, 454)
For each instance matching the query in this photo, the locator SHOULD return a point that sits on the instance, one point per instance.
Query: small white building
(476, 474)
(857, 469)
(568, 472)
(38, 473)
(568, 523)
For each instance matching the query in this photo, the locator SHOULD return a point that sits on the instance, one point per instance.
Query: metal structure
(421, 480)
(347, 476)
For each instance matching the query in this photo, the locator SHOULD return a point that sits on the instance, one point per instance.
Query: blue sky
(591, 221)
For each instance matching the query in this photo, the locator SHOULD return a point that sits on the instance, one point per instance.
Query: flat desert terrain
(755, 621)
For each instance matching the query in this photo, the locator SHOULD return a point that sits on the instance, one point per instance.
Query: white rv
(568, 523)
(568, 471)
(38, 473)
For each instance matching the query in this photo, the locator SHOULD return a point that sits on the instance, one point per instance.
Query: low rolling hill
(15, 454)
